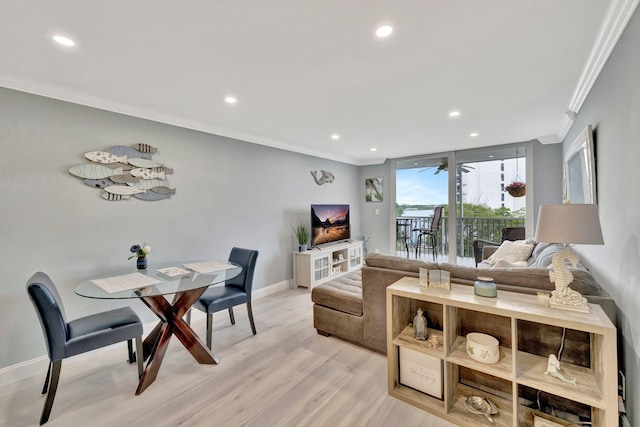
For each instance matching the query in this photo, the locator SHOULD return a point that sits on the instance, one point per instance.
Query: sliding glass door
(421, 202)
(474, 196)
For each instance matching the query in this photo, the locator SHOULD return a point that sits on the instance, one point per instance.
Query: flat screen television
(329, 223)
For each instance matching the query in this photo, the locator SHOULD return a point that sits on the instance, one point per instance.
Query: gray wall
(613, 109)
(376, 227)
(229, 193)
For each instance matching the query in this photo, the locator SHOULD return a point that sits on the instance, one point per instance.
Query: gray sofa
(354, 306)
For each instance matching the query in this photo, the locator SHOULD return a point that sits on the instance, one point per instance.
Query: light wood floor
(286, 375)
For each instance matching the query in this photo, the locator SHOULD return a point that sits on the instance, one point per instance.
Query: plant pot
(302, 248)
(517, 192)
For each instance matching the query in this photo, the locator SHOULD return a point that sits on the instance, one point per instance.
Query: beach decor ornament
(125, 171)
(324, 178)
(553, 369)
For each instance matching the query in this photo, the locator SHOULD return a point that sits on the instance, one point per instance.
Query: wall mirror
(579, 169)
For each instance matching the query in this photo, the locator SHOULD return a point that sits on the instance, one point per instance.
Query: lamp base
(564, 297)
(570, 300)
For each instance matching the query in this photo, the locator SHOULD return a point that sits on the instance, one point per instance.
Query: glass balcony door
(421, 191)
(474, 196)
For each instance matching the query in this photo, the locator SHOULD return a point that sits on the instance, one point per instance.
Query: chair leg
(45, 387)
(231, 316)
(250, 313)
(132, 355)
(209, 329)
(53, 387)
(433, 245)
(139, 356)
(188, 317)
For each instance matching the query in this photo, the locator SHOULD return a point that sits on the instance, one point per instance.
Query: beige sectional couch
(354, 306)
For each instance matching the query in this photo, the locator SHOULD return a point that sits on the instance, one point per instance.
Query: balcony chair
(429, 233)
(404, 228)
(78, 336)
(507, 233)
(235, 291)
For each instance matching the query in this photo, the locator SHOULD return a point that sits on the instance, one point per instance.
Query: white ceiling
(303, 70)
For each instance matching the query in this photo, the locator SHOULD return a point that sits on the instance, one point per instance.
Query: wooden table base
(171, 323)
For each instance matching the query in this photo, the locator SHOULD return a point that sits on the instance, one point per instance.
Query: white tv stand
(319, 265)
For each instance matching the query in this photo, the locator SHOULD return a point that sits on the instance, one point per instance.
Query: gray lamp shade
(567, 223)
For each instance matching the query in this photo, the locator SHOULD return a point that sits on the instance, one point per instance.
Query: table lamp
(568, 224)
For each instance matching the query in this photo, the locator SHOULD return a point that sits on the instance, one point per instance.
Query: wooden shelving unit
(457, 312)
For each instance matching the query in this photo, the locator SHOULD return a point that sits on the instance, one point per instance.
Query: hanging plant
(516, 189)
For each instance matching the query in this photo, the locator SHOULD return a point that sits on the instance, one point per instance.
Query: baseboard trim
(38, 366)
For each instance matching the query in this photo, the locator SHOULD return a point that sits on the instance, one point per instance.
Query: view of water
(411, 213)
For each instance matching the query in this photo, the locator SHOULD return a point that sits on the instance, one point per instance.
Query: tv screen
(329, 223)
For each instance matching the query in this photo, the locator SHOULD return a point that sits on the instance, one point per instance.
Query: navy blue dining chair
(65, 339)
(235, 291)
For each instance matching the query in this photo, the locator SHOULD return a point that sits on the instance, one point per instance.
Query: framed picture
(421, 372)
(373, 189)
(579, 170)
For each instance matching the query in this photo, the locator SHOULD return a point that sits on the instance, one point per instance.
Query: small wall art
(373, 189)
(123, 172)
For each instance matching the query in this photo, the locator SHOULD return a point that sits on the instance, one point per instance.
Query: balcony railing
(468, 230)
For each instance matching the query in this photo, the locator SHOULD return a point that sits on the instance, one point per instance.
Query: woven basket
(517, 192)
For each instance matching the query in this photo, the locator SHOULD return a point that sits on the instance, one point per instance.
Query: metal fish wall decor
(123, 171)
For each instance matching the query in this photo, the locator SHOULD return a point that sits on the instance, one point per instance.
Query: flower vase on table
(140, 252)
(141, 263)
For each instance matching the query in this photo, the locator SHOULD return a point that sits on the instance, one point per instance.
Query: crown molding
(114, 107)
(613, 24)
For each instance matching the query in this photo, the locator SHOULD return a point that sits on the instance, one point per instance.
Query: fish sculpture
(93, 171)
(163, 190)
(148, 184)
(98, 183)
(124, 178)
(162, 169)
(146, 173)
(324, 178)
(151, 197)
(144, 163)
(104, 157)
(144, 148)
(553, 369)
(123, 150)
(110, 196)
(123, 190)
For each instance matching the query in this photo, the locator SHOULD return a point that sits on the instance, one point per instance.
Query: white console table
(319, 265)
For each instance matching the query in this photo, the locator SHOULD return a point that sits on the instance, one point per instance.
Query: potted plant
(516, 189)
(302, 234)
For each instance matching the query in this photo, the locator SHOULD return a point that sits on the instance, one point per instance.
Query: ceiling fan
(445, 166)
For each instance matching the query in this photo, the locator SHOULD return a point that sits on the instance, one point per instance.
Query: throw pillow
(512, 251)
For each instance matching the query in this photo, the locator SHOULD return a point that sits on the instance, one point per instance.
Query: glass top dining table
(167, 284)
(186, 286)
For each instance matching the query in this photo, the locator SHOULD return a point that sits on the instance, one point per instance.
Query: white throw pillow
(512, 252)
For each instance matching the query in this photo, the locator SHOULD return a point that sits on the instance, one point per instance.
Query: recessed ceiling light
(454, 113)
(384, 31)
(491, 156)
(230, 100)
(415, 164)
(473, 134)
(374, 149)
(335, 137)
(64, 40)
